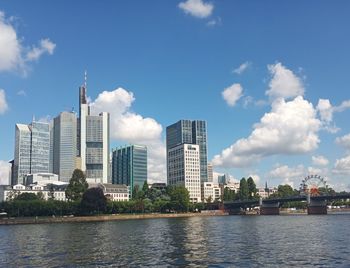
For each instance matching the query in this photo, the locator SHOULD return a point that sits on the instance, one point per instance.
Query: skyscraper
(210, 172)
(65, 145)
(129, 165)
(190, 132)
(32, 150)
(184, 169)
(92, 141)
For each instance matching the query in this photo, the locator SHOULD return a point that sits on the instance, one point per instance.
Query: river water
(231, 241)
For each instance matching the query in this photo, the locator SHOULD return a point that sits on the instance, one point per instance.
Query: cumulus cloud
(284, 83)
(3, 102)
(342, 166)
(325, 110)
(45, 46)
(290, 128)
(197, 8)
(13, 55)
(133, 128)
(4, 172)
(242, 68)
(344, 141)
(232, 94)
(320, 160)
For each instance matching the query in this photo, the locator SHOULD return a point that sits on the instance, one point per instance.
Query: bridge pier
(270, 208)
(317, 207)
(234, 211)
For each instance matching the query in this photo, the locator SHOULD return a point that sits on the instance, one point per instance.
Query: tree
(251, 188)
(77, 186)
(229, 195)
(179, 198)
(243, 190)
(145, 189)
(27, 197)
(93, 201)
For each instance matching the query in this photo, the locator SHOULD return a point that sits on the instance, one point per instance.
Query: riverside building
(92, 141)
(32, 150)
(129, 165)
(184, 169)
(190, 132)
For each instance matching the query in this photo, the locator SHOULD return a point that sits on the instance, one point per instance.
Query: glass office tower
(129, 165)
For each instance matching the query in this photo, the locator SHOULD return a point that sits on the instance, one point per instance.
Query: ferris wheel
(311, 185)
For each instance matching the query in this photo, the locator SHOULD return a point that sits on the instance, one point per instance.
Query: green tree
(179, 198)
(27, 197)
(77, 186)
(251, 188)
(145, 189)
(93, 201)
(243, 189)
(229, 195)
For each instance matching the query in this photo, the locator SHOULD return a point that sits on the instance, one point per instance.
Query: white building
(114, 192)
(184, 169)
(234, 186)
(211, 191)
(7, 192)
(41, 178)
(266, 192)
(93, 141)
(210, 172)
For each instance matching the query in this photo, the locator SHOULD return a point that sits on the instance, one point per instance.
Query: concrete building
(266, 192)
(190, 132)
(158, 185)
(41, 178)
(184, 169)
(129, 165)
(211, 191)
(92, 141)
(65, 145)
(234, 186)
(210, 173)
(223, 179)
(8, 192)
(114, 192)
(32, 150)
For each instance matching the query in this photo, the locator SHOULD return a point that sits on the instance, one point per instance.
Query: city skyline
(275, 99)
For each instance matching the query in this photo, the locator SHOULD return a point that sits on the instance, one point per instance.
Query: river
(222, 241)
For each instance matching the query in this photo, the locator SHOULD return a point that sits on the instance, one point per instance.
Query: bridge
(309, 192)
(316, 204)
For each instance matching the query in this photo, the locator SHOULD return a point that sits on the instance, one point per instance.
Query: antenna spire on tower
(85, 79)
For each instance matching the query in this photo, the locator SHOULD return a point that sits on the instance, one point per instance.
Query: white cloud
(284, 83)
(3, 102)
(342, 166)
(344, 141)
(343, 106)
(4, 172)
(21, 93)
(325, 109)
(46, 46)
(197, 8)
(232, 94)
(243, 67)
(290, 128)
(13, 55)
(133, 128)
(320, 160)
(256, 178)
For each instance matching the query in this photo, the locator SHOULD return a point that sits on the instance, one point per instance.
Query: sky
(271, 78)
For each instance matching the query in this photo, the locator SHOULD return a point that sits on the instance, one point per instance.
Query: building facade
(190, 132)
(210, 172)
(114, 192)
(211, 192)
(129, 165)
(65, 145)
(92, 141)
(184, 169)
(32, 150)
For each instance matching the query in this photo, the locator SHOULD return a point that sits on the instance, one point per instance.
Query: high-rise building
(92, 141)
(129, 165)
(190, 132)
(65, 145)
(184, 169)
(210, 172)
(32, 150)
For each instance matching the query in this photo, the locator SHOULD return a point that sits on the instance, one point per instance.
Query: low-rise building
(266, 192)
(114, 192)
(234, 186)
(41, 178)
(56, 192)
(211, 191)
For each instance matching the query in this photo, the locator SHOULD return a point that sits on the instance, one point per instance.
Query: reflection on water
(233, 241)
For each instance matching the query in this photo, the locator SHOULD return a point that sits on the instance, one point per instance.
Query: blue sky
(161, 61)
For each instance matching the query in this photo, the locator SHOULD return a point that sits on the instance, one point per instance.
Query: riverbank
(101, 218)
